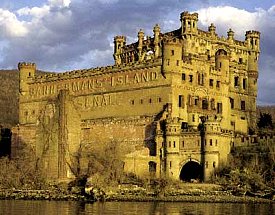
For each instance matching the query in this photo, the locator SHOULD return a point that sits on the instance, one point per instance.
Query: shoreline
(47, 195)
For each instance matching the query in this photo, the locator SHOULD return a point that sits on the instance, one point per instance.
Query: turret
(26, 73)
(252, 39)
(156, 40)
(189, 23)
(222, 62)
(230, 36)
(172, 55)
(140, 43)
(119, 43)
(212, 30)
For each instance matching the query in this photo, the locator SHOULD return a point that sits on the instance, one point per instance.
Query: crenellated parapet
(26, 65)
(26, 73)
(189, 22)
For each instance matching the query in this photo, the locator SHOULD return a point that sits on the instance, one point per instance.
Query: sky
(63, 35)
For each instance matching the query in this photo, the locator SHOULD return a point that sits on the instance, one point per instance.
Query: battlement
(120, 37)
(97, 71)
(187, 15)
(26, 65)
(252, 33)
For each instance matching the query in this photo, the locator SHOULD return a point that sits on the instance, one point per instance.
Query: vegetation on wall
(251, 169)
(104, 163)
(21, 172)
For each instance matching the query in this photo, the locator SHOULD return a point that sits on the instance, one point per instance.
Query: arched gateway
(191, 170)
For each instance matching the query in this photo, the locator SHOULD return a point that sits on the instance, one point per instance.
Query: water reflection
(14, 207)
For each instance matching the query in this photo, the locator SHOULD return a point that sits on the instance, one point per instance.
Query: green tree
(265, 121)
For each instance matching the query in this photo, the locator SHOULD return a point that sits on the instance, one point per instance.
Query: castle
(178, 102)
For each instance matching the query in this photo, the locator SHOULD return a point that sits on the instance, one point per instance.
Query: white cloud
(225, 17)
(59, 3)
(10, 26)
(35, 12)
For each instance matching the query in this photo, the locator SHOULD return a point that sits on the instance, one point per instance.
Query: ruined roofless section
(151, 100)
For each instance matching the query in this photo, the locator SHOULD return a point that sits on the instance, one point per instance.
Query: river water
(21, 207)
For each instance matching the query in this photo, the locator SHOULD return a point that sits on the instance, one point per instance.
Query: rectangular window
(210, 142)
(190, 78)
(244, 83)
(196, 101)
(236, 81)
(193, 118)
(180, 100)
(240, 60)
(242, 105)
(132, 102)
(174, 144)
(178, 62)
(205, 104)
(169, 144)
(159, 99)
(182, 144)
(231, 103)
(183, 76)
(199, 79)
(170, 164)
(219, 107)
(172, 52)
(211, 81)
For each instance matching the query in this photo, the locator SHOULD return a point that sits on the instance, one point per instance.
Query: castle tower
(172, 55)
(210, 147)
(189, 23)
(212, 30)
(222, 63)
(26, 72)
(230, 36)
(173, 130)
(119, 43)
(156, 40)
(140, 44)
(252, 39)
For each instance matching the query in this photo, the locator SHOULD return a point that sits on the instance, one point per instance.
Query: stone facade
(151, 100)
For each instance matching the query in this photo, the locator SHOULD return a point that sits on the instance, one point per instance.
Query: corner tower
(119, 43)
(189, 23)
(26, 72)
(252, 39)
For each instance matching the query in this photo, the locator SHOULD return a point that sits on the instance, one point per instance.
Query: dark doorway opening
(191, 170)
(5, 142)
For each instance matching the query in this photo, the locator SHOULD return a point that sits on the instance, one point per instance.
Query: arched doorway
(191, 170)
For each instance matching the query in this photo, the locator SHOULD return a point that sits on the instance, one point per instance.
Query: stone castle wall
(152, 101)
